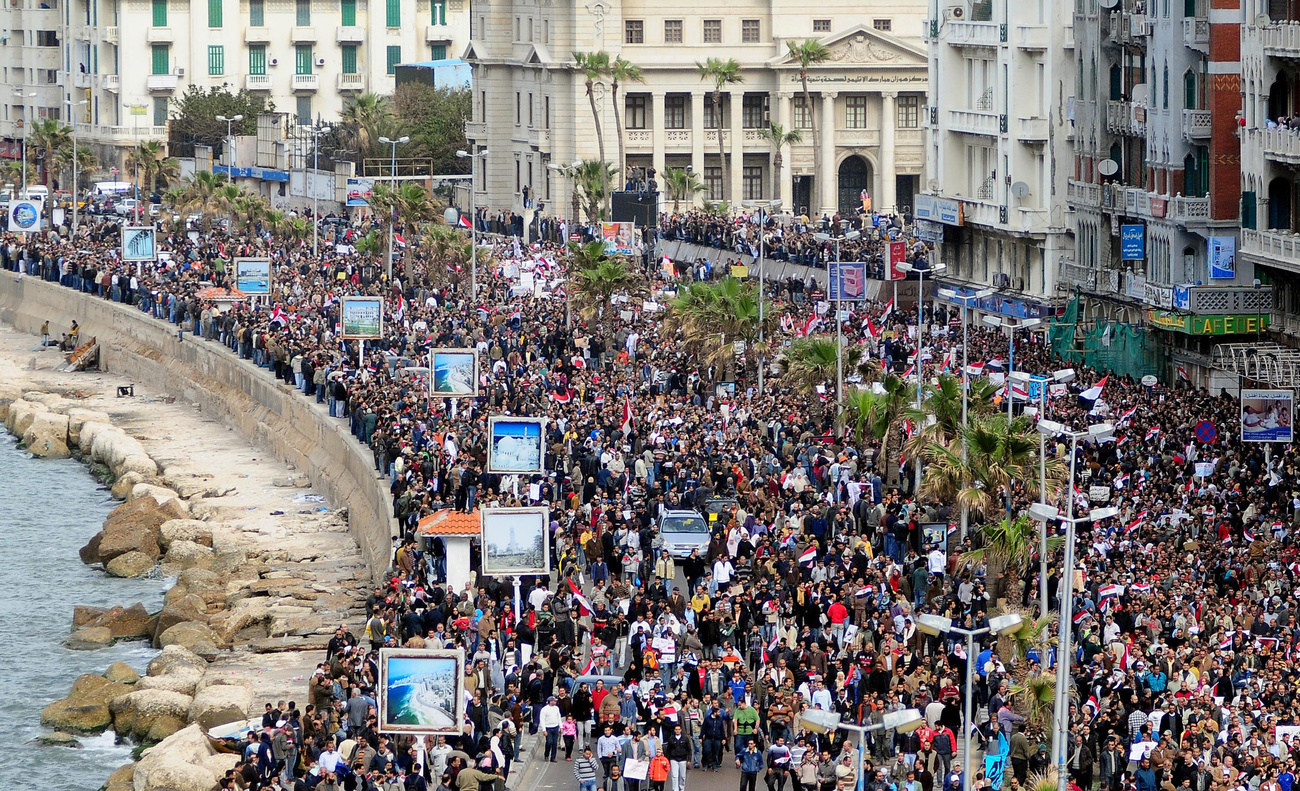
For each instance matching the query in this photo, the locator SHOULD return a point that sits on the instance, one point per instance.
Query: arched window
(1164, 90)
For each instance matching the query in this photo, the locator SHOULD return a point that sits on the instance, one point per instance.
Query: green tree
(434, 119)
(198, 195)
(808, 53)
(721, 73)
(682, 185)
(622, 72)
(597, 277)
(151, 158)
(194, 117)
(776, 134)
(712, 316)
(811, 361)
(1008, 547)
(363, 117)
(46, 141)
(878, 412)
(939, 419)
(590, 179)
(86, 161)
(594, 66)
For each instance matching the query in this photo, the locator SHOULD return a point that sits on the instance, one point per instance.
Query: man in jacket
(750, 762)
(713, 731)
(1021, 751)
(677, 746)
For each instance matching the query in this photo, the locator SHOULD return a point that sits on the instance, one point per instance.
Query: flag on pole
(1121, 482)
(1136, 523)
(1124, 418)
(995, 364)
(1140, 587)
(562, 396)
(1110, 591)
(465, 223)
(1182, 372)
(584, 606)
(975, 370)
(810, 326)
(1081, 616)
(809, 555)
(629, 423)
(887, 312)
(1226, 645)
(1152, 433)
(872, 330)
(278, 317)
(1094, 392)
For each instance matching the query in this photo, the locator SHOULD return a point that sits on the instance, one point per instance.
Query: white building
(307, 56)
(998, 150)
(531, 107)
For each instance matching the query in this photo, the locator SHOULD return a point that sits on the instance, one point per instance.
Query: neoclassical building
(531, 107)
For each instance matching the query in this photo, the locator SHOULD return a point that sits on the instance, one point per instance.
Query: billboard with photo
(25, 215)
(453, 372)
(253, 275)
(138, 244)
(515, 541)
(421, 690)
(848, 281)
(362, 318)
(1266, 415)
(620, 237)
(359, 191)
(515, 444)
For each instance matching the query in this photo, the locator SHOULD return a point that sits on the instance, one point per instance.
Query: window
(882, 24)
(303, 12)
(302, 61)
(909, 112)
(712, 112)
(753, 182)
(257, 13)
(855, 112)
(214, 13)
(437, 52)
(47, 38)
(749, 30)
(304, 110)
(713, 180)
(802, 116)
(821, 26)
(517, 108)
(349, 58)
(216, 60)
(160, 111)
(394, 58)
(713, 31)
(633, 31)
(439, 12)
(349, 13)
(161, 59)
(257, 59)
(675, 112)
(160, 13)
(672, 31)
(754, 111)
(394, 13)
(636, 112)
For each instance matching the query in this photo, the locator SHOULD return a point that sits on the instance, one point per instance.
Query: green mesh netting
(1126, 350)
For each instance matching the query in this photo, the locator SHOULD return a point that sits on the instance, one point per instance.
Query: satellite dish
(1020, 189)
(934, 185)
(1108, 167)
(1263, 20)
(1109, 3)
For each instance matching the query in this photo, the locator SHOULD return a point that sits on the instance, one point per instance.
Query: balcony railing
(982, 213)
(352, 82)
(1033, 36)
(1282, 247)
(162, 82)
(973, 122)
(1126, 118)
(1032, 130)
(110, 34)
(1083, 194)
(113, 82)
(711, 137)
(1280, 144)
(159, 35)
(973, 34)
(257, 82)
(1190, 210)
(1196, 124)
(1196, 34)
(83, 80)
(1076, 275)
(677, 138)
(640, 138)
(257, 35)
(1281, 40)
(306, 82)
(302, 34)
(350, 34)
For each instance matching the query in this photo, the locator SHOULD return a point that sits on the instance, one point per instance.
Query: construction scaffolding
(1267, 363)
(1114, 347)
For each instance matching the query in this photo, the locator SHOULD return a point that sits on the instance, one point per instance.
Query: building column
(888, 199)
(697, 138)
(660, 134)
(784, 189)
(829, 186)
(737, 147)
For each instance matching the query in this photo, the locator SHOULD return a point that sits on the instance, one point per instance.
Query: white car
(126, 206)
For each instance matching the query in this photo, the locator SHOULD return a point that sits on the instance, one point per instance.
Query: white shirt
(538, 597)
(550, 716)
(722, 571)
(330, 759)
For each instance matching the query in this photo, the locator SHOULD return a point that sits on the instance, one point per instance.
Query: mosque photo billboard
(421, 690)
(515, 541)
(515, 445)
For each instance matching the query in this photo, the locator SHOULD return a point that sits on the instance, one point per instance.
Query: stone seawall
(266, 412)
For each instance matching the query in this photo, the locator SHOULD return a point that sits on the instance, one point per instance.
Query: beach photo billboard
(453, 373)
(421, 690)
(253, 275)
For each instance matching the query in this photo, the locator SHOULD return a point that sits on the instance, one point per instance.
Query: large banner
(138, 244)
(362, 318)
(1266, 415)
(453, 372)
(360, 191)
(620, 237)
(515, 444)
(421, 690)
(848, 281)
(253, 275)
(25, 216)
(897, 255)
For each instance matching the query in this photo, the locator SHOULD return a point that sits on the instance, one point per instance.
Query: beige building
(531, 107)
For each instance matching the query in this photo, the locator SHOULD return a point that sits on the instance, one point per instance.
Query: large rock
(189, 634)
(122, 673)
(180, 609)
(159, 493)
(124, 622)
(133, 527)
(172, 657)
(89, 431)
(90, 552)
(90, 638)
(122, 779)
(78, 417)
(147, 511)
(185, 530)
(182, 678)
(188, 555)
(135, 712)
(119, 542)
(21, 415)
(177, 763)
(47, 436)
(132, 564)
(66, 716)
(89, 689)
(8, 394)
(245, 613)
(220, 704)
(138, 463)
(124, 483)
(85, 615)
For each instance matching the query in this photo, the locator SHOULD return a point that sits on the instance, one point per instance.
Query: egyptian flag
(872, 330)
(1137, 522)
(1081, 616)
(584, 606)
(562, 396)
(465, 223)
(787, 323)
(1121, 482)
(1110, 591)
(1226, 645)
(1266, 642)
(278, 317)
(629, 424)
(887, 312)
(995, 365)
(401, 242)
(1124, 418)
(975, 370)
(809, 555)
(1140, 587)
(1152, 433)
(591, 660)
(810, 326)
(1182, 372)
(1094, 392)
(768, 649)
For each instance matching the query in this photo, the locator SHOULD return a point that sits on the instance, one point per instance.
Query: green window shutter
(394, 58)
(161, 59)
(1248, 208)
(303, 8)
(256, 13)
(216, 60)
(94, 54)
(214, 13)
(160, 13)
(439, 52)
(349, 58)
(349, 13)
(257, 59)
(440, 12)
(302, 59)
(394, 13)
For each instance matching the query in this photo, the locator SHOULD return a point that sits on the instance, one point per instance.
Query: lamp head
(237, 118)
(1100, 430)
(1064, 376)
(904, 721)
(992, 321)
(818, 721)
(984, 292)
(904, 267)
(404, 139)
(1019, 376)
(385, 140)
(1098, 514)
(1006, 624)
(1043, 512)
(1027, 323)
(933, 624)
(822, 237)
(948, 294)
(851, 235)
(461, 154)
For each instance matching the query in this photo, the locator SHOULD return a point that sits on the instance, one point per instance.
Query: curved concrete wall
(266, 411)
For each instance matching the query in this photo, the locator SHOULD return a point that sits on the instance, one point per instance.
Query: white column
(888, 198)
(697, 138)
(737, 148)
(784, 189)
(660, 135)
(829, 180)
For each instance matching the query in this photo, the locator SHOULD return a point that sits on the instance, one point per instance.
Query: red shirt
(837, 613)
(596, 697)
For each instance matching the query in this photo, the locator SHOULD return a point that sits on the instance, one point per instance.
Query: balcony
(257, 35)
(113, 83)
(845, 137)
(540, 139)
(640, 139)
(1190, 211)
(973, 122)
(350, 34)
(1083, 194)
(1196, 124)
(982, 213)
(1032, 130)
(83, 80)
(711, 138)
(110, 34)
(1278, 247)
(437, 33)
(159, 35)
(973, 34)
(1281, 40)
(1075, 275)
(1126, 118)
(257, 82)
(677, 139)
(475, 130)
(306, 82)
(1035, 37)
(162, 82)
(302, 34)
(352, 82)
(1196, 34)
(1282, 145)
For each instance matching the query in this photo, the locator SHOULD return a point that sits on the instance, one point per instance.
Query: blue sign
(1182, 297)
(996, 303)
(848, 281)
(1035, 387)
(936, 209)
(1132, 242)
(1222, 255)
(264, 174)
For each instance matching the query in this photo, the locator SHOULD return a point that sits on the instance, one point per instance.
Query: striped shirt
(586, 769)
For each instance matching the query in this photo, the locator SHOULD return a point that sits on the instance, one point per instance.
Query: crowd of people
(642, 667)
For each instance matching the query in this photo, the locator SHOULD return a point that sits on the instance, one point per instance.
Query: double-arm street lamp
(473, 220)
(392, 174)
(921, 272)
(965, 302)
(764, 208)
(839, 319)
(904, 720)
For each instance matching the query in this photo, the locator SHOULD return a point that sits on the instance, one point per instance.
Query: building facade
(861, 125)
(113, 66)
(998, 148)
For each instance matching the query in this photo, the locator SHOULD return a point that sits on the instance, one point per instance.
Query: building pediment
(474, 51)
(538, 55)
(863, 46)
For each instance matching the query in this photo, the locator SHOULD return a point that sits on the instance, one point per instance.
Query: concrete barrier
(267, 412)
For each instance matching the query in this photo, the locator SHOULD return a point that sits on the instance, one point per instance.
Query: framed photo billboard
(138, 244)
(1266, 415)
(253, 275)
(362, 318)
(421, 690)
(515, 445)
(453, 372)
(515, 541)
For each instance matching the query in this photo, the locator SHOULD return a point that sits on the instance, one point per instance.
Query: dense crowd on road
(642, 667)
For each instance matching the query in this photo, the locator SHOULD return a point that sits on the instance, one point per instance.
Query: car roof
(683, 512)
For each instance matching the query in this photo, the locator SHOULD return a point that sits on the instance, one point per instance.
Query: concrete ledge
(268, 413)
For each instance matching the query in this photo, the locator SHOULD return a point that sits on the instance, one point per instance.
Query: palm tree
(807, 53)
(878, 412)
(1009, 547)
(812, 361)
(86, 161)
(11, 172)
(939, 418)
(711, 317)
(682, 185)
(413, 207)
(622, 71)
(369, 245)
(445, 251)
(594, 286)
(153, 163)
(595, 65)
(775, 134)
(720, 72)
(48, 137)
(197, 195)
(591, 184)
(364, 116)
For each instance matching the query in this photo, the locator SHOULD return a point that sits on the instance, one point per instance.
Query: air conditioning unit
(320, 61)
(180, 72)
(954, 12)
(275, 61)
(1001, 280)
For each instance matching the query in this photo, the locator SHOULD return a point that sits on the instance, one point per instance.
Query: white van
(105, 188)
(38, 192)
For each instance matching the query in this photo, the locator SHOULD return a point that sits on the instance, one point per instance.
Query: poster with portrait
(1266, 415)
(421, 690)
(453, 372)
(253, 275)
(362, 318)
(620, 237)
(138, 244)
(515, 542)
(515, 444)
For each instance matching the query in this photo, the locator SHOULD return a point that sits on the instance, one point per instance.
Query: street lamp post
(764, 211)
(392, 174)
(818, 721)
(839, 321)
(230, 141)
(74, 106)
(473, 220)
(25, 96)
(316, 132)
(934, 269)
(965, 302)
(937, 624)
(1010, 325)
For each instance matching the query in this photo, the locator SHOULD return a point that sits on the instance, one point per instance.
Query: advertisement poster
(620, 237)
(515, 541)
(362, 318)
(897, 255)
(453, 372)
(359, 191)
(138, 244)
(24, 216)
(515, 444)
(1266, 415)
(253, 275)
(421, 690)
(1222, 254)
(1132, 242)
(848, 281)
